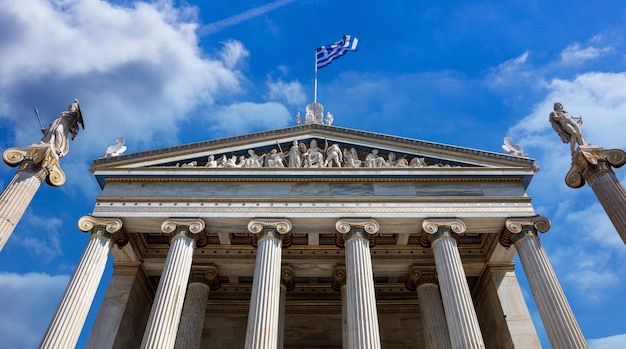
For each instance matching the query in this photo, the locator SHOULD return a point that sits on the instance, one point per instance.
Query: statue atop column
(593, 164)
(57, 133)
(567, 127)
(36, 163)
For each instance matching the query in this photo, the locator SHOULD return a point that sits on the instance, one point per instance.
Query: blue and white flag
(326, 54)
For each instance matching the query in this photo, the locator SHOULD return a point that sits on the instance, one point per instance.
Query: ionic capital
(433, 229)
(591, 161)
(287, 277)
(281, 226)
(339, 277)
(519, 227)
(100, 226)
(418, 277)
(183, 227)
(37, 158)
(205, 274)
(369, 225)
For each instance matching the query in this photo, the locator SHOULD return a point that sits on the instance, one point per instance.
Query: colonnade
(447, 309)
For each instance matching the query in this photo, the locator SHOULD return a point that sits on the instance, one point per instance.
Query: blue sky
(466, 73)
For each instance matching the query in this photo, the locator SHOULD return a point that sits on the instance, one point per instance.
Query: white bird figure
(116, 149)
(512, 149)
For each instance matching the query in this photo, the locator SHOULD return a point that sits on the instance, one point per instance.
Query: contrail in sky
(244, 16)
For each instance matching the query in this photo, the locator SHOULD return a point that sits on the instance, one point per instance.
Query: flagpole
(315, 80)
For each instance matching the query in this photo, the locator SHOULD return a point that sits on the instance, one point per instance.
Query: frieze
(309, 209)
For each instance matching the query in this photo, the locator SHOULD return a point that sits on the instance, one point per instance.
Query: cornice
(312, 130)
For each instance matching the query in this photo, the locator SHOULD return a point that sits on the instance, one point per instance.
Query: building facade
(314, 236)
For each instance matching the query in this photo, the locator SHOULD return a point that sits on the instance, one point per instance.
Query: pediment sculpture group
(301, 156)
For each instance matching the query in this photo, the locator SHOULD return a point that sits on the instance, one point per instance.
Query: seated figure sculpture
(313, 156)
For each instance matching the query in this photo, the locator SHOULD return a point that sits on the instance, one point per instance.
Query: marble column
(35, 164)
(287, 283)
(593, 164)
(363, 330)
(455, 294)
(436, 335)
(339, 284)
(263, 317)
(68, 321)
(556, 314)
(170, 295)
(189, 334)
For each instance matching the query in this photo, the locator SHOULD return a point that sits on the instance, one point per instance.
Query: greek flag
(326, 54)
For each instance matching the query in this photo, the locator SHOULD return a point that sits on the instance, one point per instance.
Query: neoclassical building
(314, 236)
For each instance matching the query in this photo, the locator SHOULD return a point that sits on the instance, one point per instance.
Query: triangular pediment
(310, 147)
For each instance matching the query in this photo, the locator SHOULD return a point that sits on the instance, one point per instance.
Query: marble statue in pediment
(351, 158)
(314, 156)
(333, 156)
(374, 160)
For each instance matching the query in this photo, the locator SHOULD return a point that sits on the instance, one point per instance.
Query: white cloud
(233, 53)
(510, 71)
(581, 230)
(25, 295)
(138, 71)
(244, 16)
(611, 342)
(291, 92)
(574, 53)
(245, 117)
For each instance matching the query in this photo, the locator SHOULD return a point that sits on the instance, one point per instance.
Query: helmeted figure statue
(66, 122)
(566, 127)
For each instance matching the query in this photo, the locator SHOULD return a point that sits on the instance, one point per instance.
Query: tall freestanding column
(202, 280)
(455, 294)
(361, 299)
(558, 318)
(168, 302)
(263, 317)
(71, 313)
(593, 164)
(436, 333)
(35, 164)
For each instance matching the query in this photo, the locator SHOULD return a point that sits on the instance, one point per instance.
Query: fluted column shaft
(594, 164)
(611, 195)
(202, 280)
(170, 295)
(16, 197)
(436, 333)
(363, 330)
(558, 318)
(69, 318)
(263, 316)
(455, 294)
(281, 317)
(189, 334)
